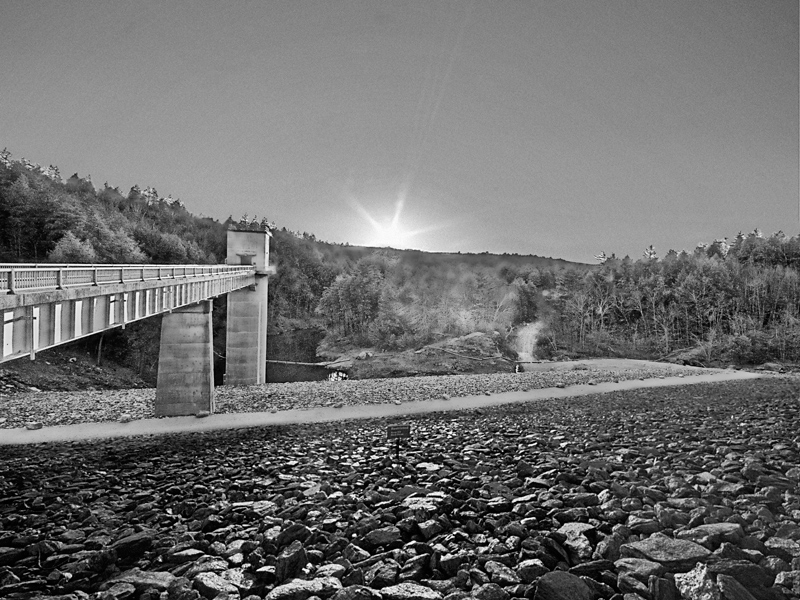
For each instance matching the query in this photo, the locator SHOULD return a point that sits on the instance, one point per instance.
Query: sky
(557, 128)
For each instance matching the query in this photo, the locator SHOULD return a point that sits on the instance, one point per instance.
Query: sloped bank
(620, 495)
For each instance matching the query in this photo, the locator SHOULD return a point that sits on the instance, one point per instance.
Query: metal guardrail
(23, 277)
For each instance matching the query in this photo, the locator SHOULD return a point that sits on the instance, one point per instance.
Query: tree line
(738, 300)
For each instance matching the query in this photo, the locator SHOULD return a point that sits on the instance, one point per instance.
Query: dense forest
(46, 218)
(736, 300)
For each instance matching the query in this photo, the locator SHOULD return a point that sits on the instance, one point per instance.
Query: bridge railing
(23, 277)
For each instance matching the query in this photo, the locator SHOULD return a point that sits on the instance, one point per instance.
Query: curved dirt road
(87, 431)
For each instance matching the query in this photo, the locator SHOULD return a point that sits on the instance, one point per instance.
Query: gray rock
(608, 547)
(355, 554)
(774, 565)
(132, 547)
(576, 529)
(627, 583)
(330, 586)
(143, 580)
(382, 575)
(444, 587)
(266, 574)
(677, 556)
(120, 591)
(639, 568)
(290, 562)
(697, 584)
(788, 530)
(430, 528)
(661, 588)
(729, 551)
(745, 572)
(8, 556)
(712, 535)
(301, 589)
(383, 536)
(592, 568)
(414, 568)
(559, 585)
(295, 532)
(211, 585)
(790, 580)
(242, 580)
(732, 589)
(451, 563)
(183, 556)
(357, 592)
(501, 574)
(490, 591)
(783, 548)
(643, 525)
(409, 591)
(207, 564)
(330, 570)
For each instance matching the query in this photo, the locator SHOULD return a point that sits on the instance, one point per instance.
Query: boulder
(357, 592)
(677, 556)
(143, 580)
(409, 591)
(559, 585)
(698, 584)
(290, 561)
(490, 591)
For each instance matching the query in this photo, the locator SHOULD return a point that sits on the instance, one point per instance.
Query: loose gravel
(68, 408)
(659, 494)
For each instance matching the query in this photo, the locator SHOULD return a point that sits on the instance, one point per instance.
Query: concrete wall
(185, 364)
(252, 245)
(246, 346)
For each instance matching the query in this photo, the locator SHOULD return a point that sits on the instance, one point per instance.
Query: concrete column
(186, 362)
(246, 345)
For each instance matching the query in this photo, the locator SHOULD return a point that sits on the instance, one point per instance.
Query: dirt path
(89, 431)
(601, 363)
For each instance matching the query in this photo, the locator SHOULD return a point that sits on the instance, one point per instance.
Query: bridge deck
(50, 304)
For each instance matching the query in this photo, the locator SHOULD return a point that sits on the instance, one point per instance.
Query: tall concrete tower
(246, 347)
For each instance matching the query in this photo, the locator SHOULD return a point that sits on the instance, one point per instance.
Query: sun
(391, 236)
(390, 233)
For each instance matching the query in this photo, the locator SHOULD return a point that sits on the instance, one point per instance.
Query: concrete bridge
(49, 304)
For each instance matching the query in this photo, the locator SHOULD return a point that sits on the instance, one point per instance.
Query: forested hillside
(734, 301)
(407, 297)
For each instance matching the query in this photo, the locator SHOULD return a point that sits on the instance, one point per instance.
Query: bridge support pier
(246, 344)
(186, 362)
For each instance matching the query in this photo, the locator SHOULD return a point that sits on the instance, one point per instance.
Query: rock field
(658, 494)
(65, 408)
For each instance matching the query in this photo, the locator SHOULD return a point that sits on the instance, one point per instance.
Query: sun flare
(387, 234)
(392, 235)
(391, 232)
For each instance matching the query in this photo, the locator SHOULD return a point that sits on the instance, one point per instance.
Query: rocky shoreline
(659, 494)
(67, 408)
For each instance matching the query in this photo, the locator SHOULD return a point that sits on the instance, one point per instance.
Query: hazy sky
(559, 127)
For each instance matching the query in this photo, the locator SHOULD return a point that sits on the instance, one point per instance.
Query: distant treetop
(251, 224)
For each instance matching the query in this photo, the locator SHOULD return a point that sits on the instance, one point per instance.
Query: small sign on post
(396, 433)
